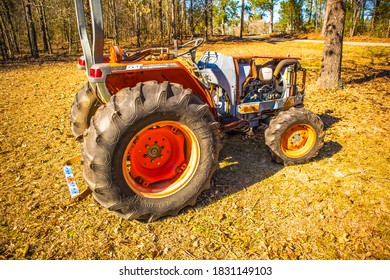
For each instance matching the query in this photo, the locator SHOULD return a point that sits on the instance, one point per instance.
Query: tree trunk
(168, 26)
(242, 17)
(70, 35)
(178, 21)
(375, 19)
(211, 17)
(3, 49)
(7, 48)
(292, 18)
(31, 29)
(362, 18)
(330, 74)
(316, 20)
(356, 8)
(192, 28)
(376, 14)
(206, 18)
(46, 30)
(114, 18)
(161, 15)
(183, 19)
(9, 32)
(173, 23)
(25, 17)
(388, 30)
(310, 11)
(137, 16)
(328, 8)
(223, 27)
(271, 16)
(42, 27)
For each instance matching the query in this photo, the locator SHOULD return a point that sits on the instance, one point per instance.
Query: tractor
(151, 123)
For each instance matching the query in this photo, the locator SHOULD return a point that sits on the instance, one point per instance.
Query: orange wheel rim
(161, 159)
(298, 140)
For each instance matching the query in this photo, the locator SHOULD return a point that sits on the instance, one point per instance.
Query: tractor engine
(241, 88)
(265, 87)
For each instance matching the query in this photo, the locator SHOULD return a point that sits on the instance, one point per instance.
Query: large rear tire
(151, 151)
(83, 108)
(294, 136)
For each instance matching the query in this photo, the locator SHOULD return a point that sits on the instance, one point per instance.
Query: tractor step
(230, 124)
(71, 182)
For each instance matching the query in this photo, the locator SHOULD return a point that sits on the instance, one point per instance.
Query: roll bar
(95, 54)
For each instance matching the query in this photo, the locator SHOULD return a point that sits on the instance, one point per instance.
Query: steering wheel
(192, 51)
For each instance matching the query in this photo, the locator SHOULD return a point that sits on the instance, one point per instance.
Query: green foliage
(263, 6)
(380, 21)
(226, 14)
(291, 18)
(258, 8)
(370, 17)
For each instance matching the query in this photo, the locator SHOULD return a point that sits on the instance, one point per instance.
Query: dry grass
(335, 207)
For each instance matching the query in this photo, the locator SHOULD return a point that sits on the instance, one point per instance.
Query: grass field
(335, 207)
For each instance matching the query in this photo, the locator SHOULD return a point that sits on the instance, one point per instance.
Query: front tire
(151, 151)
(83, 108)
(294, 136)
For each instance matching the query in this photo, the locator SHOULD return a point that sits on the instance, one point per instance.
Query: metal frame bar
(82, 28)
(97, 30)
(95, 54)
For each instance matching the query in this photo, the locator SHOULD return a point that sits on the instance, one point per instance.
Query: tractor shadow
(328, 120)
(245, 161)
(330, 147)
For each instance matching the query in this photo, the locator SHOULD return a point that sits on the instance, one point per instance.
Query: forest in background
(35, 27)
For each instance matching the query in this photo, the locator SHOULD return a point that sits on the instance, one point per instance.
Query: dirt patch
(335, 207)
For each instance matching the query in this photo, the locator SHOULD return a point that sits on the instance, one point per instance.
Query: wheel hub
(298, 140)
(154, 151)
(157, 154)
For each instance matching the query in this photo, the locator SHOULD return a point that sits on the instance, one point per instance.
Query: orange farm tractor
(150, 128)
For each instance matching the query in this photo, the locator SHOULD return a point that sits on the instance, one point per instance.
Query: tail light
(95, 73)
(82, 61)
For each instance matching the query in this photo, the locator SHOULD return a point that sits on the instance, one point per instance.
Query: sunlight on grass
(334, 207)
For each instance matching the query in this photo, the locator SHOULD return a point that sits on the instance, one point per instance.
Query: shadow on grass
(328, 120)
(243, 163)
(247, 162)
(25, 60)
(249, 38)
(331, 147)
(381, 74)
(274, 40)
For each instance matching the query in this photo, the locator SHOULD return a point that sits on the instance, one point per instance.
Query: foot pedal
(71, 182)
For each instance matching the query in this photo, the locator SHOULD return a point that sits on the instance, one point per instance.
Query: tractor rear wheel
(294, 136)
(83, 108)
(151, 151)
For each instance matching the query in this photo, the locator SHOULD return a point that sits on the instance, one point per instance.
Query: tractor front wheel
(294, 136)
(83, 108)
(151, 151)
